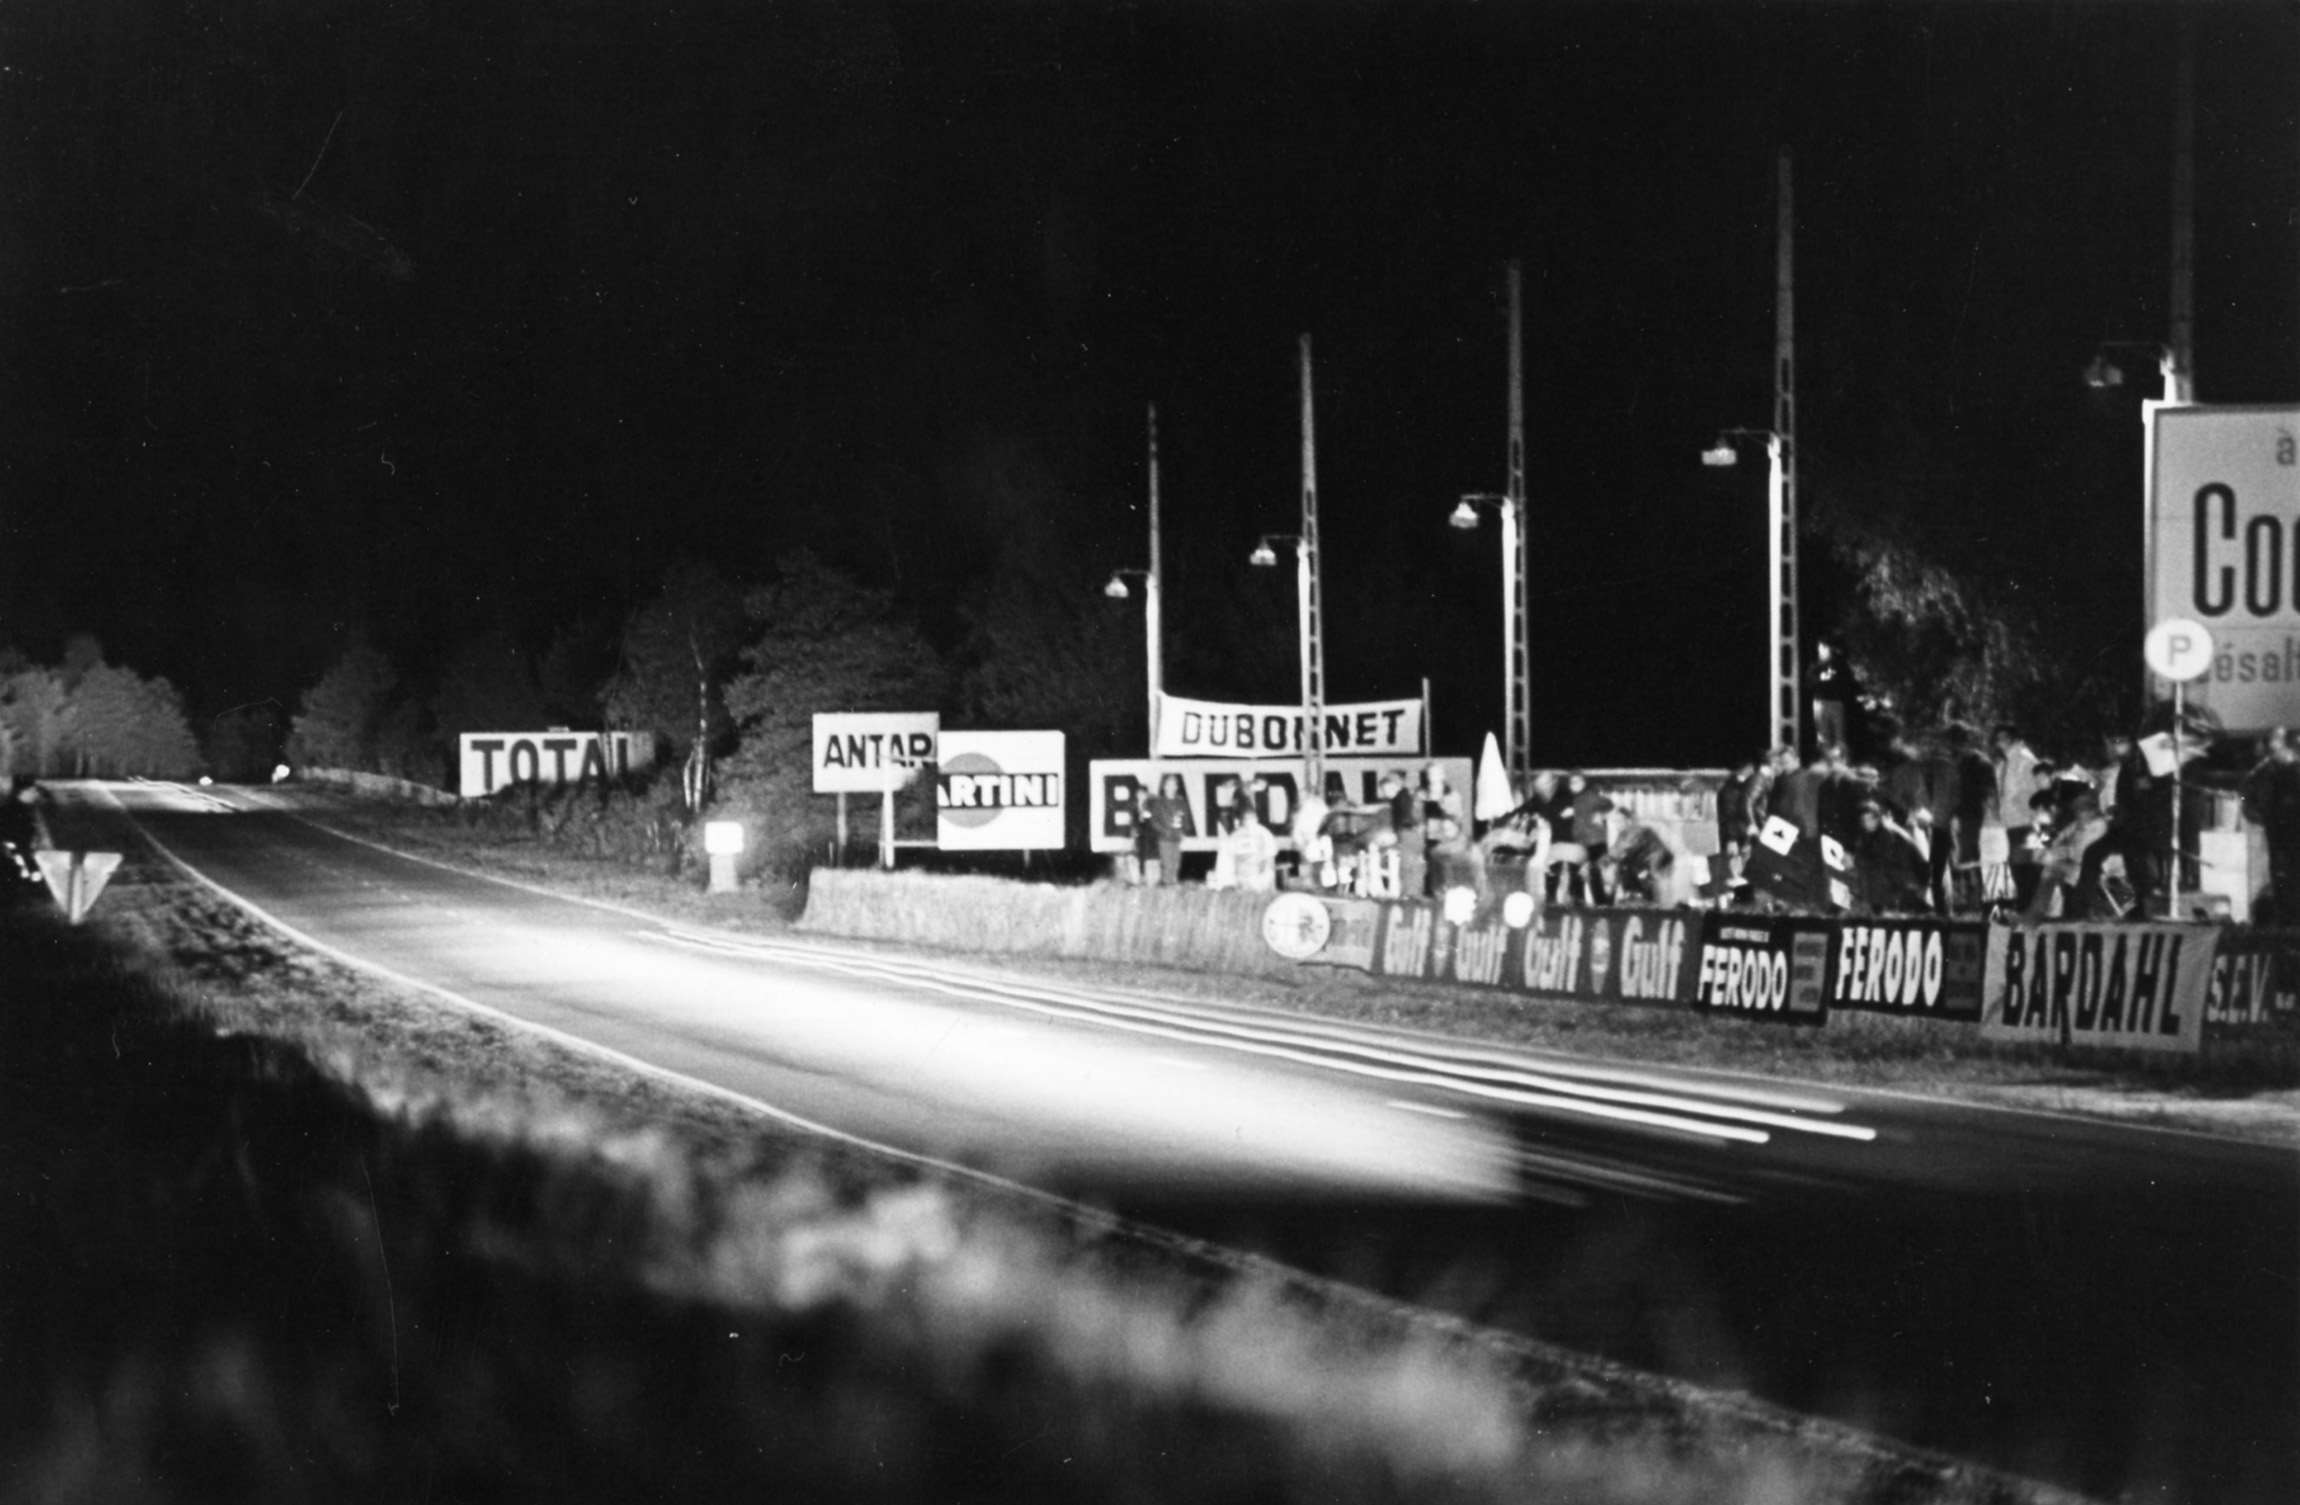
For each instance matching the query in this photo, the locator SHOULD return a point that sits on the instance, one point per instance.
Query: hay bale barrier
(1194, 928)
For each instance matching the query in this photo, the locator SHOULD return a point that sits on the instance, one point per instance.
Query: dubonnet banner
(1211, 729)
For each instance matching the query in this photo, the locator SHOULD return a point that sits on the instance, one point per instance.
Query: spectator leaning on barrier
(2073, 833)
(2272, 798)
(1796, 795)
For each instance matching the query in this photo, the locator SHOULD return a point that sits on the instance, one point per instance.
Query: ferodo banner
(1210, 729)
(1118, 788)
(1926, 967)
(1772, 969)
(866, 752)
(487, 762)
(2224, 548)
(2137, 987)
(2255, 981)
(999, 792)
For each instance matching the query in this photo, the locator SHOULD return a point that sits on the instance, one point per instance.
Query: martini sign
(999, 792)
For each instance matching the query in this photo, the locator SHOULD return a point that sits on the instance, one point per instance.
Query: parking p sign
(2179, 650)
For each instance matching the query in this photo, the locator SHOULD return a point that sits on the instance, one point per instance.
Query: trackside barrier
(381, 785)
(1178, 926)
(2147, 986)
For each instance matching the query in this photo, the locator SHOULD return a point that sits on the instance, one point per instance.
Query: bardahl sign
(2131, 986)
(489, 762)
(1118, 788)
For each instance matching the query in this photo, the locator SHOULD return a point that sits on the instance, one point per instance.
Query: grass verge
(277, 1231)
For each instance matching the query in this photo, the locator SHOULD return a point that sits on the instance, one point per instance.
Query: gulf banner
(1928, 968)
(2123, 986)
(1773, 969)
(1117, 789)
(1595, 955)
(1214, 729)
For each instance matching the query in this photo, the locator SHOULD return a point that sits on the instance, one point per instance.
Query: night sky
(417, 319)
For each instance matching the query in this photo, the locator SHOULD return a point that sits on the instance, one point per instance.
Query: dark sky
(424, 318)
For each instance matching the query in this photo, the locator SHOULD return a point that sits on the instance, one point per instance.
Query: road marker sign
(76, 878)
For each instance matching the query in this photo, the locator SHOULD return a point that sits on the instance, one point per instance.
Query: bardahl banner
(1211, 729)
(999, 792)
(2255, 981)
(488, 762)
(1119, 787)
(1771, 968)
(2126, 986)
(1930, 968)
(2224, 549)
(867, 752)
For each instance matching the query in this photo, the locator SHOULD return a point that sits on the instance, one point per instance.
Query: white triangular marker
(76, 878)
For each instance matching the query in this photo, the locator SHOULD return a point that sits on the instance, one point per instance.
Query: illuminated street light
(1516, 660)
(1263, 556)
(1153, 631)
(1310, 627)
(1781, 668)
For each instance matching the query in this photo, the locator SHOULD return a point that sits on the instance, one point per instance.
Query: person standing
(1447, 830)
(1832, 691)
(1168, 817)
(2019, 781)
(2271, 795)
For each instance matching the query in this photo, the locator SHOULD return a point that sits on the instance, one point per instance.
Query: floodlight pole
(1784, 668)
(1309, 607)
(1517, 723)
(1153, 619)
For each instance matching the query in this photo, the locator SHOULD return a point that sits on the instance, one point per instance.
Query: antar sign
(868, 752)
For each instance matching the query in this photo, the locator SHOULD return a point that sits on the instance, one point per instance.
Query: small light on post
(1464, 516)
(723, 841)
(1264, 557)
(1721, 455)
(1116, 590)
(2103, 374)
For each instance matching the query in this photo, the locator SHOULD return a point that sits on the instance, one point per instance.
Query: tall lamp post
(1781, 666)
(1153, 629)
(1784, 669)
(1516, 654)
(1309, 595)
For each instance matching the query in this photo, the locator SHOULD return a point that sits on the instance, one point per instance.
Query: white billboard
(1000, 792)
(866, 752)
(2224, 549)
(1217, 729)
(1119, 786)
(490, 761)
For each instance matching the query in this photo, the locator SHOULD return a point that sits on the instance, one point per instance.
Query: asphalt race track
(2111, 1308)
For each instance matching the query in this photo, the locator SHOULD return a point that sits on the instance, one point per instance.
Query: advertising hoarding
(2129, 986)
(2224, 549)
(1930, 968)
(489, 762)
(867, 752)
(1216, 729)
(999, 792)
(1771, 969)
(1117, 788)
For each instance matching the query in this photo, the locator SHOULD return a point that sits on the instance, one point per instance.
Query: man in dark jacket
(2139, 831)
(1889, 875)
(1924, 791)
(2272, 798)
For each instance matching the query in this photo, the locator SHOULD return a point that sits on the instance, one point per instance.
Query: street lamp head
(2103, 374)
(1464, 515)
(1116, 590)
(1263, 556)
(1721, 455)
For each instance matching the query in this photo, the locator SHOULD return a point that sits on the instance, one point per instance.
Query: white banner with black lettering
(2134, 987)
(867, 752)
(1212, 729)
(488, 762)
(1117, 788)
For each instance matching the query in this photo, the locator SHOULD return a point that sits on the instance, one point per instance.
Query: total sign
(1000, 792)
(2224, 550)
(491, 761)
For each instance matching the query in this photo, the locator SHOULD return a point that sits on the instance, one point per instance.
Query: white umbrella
(1495, 798)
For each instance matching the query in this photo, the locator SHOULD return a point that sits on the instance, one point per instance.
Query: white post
(2172, 874)
(886, 829)
(1781, 714)
(1785, 674)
